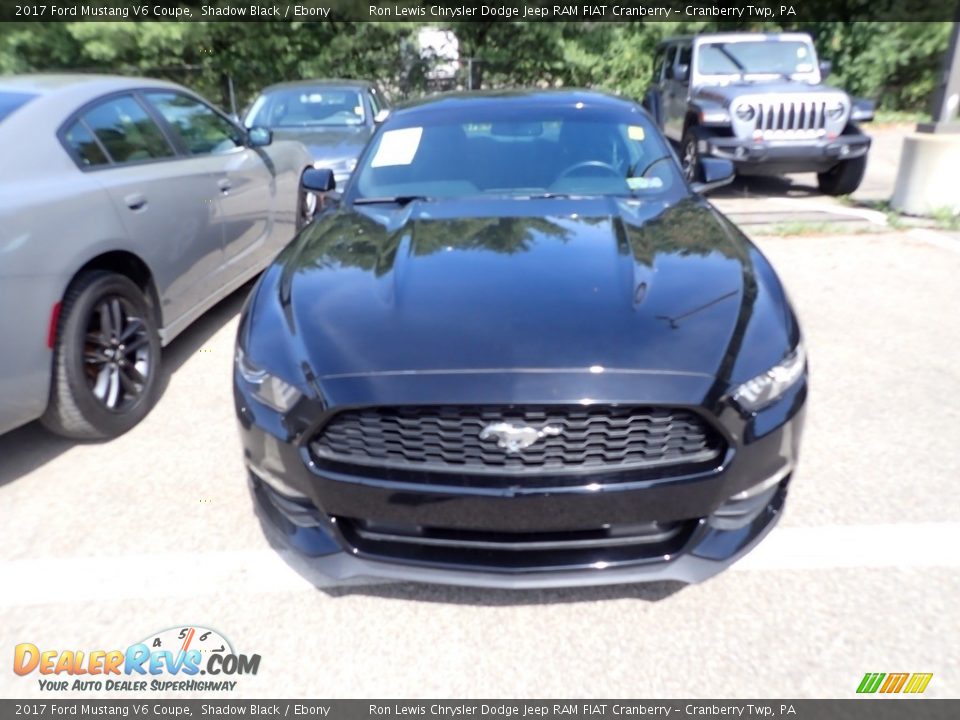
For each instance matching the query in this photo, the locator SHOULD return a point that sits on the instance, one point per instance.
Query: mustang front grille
(543, 439)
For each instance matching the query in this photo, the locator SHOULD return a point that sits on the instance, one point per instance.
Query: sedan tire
(106, 359)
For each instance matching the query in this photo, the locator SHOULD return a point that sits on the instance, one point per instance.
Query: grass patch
(802, 228)
(946, 218)
(896, 117)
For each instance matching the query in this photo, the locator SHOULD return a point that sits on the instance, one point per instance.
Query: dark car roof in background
(520, 98)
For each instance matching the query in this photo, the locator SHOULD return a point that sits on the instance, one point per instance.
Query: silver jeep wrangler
(758, 100)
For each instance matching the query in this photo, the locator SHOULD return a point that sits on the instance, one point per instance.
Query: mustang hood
(520, 284)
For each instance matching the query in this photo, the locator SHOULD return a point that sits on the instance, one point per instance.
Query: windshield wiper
(395, 200)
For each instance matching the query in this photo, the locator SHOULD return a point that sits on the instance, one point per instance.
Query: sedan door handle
(224, 184)
(135, 201)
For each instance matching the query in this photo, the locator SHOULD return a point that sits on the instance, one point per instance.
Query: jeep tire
(843, 178)
(690, 155)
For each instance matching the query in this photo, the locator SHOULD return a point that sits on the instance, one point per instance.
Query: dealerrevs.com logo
(170, 660)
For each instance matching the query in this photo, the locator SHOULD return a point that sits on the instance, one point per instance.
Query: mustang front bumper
(717, 515)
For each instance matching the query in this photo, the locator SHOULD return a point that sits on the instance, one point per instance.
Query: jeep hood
(776, 89)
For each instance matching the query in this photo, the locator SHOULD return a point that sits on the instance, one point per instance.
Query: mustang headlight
(273, 392)
(757, 393)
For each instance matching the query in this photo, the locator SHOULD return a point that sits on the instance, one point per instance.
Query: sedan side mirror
(381, 116)
(716, 172)
(825, 67)
(260, 137)
(319, 180)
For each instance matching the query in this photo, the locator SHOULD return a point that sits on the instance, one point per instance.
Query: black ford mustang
(520, 351)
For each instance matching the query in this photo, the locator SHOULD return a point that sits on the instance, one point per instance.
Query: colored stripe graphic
(918, 683)
(870, 682)
(894, 683)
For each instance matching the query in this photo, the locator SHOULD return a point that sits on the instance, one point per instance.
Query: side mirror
(680, 73)
(716, 172)
(863, 110)
(381, 116)
(318, 180)
(825, 68)
(260, 137)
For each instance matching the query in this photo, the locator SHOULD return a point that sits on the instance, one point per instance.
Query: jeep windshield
(531, 152)
(784, 58)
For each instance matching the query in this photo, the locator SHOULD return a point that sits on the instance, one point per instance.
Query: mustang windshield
(307, 107)
(775, 57)
(539, 152)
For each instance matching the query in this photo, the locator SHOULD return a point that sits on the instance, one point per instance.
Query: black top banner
(726, 11)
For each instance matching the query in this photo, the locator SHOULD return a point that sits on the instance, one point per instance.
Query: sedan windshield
(307, 107)
(781, 57)
(517, 151)
(10, 101)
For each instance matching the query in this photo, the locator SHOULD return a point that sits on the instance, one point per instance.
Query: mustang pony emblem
(514, 438)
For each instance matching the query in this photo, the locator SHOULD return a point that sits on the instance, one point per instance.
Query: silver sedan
(128, 207)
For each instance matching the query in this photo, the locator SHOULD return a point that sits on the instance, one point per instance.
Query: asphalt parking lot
(104, 544)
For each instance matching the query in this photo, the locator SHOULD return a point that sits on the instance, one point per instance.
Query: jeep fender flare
(705, 113)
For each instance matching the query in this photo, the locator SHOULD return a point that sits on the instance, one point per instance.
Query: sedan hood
(519, 284)
(333, 143)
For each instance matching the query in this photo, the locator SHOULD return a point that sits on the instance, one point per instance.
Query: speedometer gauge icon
(184, 638)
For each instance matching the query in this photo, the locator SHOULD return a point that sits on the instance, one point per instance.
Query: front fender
(709, 113)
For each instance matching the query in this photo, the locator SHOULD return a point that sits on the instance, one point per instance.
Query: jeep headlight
(836, 109)
(756, 393)
(270, 390)
(745, 112)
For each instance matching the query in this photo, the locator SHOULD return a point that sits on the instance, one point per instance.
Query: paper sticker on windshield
(804, 67)
(641, 183)
(397, 147)
(801, 52)
(635, 132)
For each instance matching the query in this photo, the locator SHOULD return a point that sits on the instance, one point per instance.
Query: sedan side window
(85, 145)
(126, 131)
(374, 101)
(202, 130)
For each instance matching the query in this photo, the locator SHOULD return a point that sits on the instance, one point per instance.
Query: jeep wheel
(106, 359)
(689, 156)
(844, 178)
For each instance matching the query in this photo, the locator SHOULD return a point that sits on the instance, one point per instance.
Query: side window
(126, 131)
(658, 65)
(374, 102)
(85, 145)
(202, 130)
(683, 57)
(669, 57)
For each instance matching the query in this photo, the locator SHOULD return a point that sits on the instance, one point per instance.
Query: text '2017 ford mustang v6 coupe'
(520, 351)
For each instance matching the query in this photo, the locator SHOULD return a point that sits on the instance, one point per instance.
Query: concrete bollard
(928, 178)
